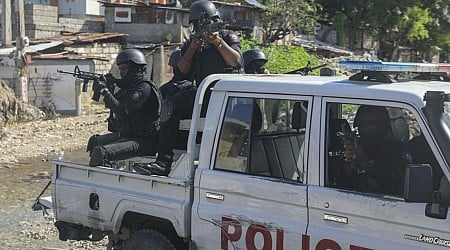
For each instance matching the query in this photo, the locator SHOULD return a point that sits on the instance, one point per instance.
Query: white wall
(80, 7)
(46, 84)
(94, 8)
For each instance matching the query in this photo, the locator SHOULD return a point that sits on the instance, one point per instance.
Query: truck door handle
(214, 196)
(335, 218)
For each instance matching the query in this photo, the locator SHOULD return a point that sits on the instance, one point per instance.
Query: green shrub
(167, 37)
(283, 59)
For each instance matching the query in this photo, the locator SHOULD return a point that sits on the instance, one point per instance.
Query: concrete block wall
(35, 13)
(108, 51)
(42, 21)
(147, 32)
(80, 25)
(42, 30)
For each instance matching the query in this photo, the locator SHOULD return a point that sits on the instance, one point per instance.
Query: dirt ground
(25, 170)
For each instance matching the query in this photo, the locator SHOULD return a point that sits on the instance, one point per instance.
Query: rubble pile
(14, 110)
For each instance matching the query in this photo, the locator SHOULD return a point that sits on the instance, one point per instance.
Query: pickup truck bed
(114, 194)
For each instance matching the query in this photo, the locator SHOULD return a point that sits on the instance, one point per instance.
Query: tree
(438, 29)
(283, 16)
(395, 23)
(352, 17)
(410, 26)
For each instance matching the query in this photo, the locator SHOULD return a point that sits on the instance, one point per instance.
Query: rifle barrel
(320, 66)
(65, 72)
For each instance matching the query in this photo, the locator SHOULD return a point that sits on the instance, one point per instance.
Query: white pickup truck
(267, 173)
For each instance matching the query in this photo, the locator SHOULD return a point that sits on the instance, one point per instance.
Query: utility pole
(21, 61)
(6, 23)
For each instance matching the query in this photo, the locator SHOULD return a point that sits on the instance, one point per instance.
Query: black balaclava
(255, 67)
(135, 74)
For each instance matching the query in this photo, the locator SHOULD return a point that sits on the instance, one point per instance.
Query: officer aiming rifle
(207, 25)
(108, 79)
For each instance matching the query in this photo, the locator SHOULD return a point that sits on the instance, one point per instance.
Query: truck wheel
(148, 239)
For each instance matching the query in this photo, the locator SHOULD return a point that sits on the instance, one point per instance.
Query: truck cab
(272, 171)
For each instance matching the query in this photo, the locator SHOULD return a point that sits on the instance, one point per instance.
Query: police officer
(378, 161)
(254, 62)
(203, 54)
(135, 112)
(208, 53)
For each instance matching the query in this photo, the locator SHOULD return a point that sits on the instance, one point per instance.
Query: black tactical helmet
(131, 55)
(201, 9)
(253, 54)
(173, 62)
(175, 58)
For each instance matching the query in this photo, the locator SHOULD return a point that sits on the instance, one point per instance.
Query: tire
(148, 239)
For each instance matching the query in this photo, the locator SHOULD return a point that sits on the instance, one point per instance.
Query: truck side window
(234, 145)
(263, 137)
(369, 148)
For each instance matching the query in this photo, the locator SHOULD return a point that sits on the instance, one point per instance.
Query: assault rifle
(347, 138)
(306, 70)
(87, 77)
(207, 25)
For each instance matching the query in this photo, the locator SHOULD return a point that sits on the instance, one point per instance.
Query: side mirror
(418, 183)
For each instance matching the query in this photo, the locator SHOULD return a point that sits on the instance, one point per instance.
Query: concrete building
(156, 23)
(83, 9)
(93, 52)
(146, 24)
(61, 41)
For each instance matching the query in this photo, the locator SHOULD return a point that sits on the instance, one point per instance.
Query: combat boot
(161, 166)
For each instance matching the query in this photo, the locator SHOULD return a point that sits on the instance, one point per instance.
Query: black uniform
(205, 62)
(384, 171)
(208, 60)
(135, 124)
(378, 165)
(179, 105)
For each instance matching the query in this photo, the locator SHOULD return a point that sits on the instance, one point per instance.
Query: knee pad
(98, 156)
(92, 142)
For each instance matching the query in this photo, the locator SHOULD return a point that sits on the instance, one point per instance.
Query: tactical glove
(99, 87)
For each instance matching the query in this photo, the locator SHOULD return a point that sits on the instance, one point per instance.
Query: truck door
(253, 194)
(358, 202)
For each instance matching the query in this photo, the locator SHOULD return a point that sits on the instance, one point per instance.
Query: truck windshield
(447, 114)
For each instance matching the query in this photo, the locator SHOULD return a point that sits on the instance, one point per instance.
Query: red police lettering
(225, 234)
(327, 244)
(232, 232)
(250, 235)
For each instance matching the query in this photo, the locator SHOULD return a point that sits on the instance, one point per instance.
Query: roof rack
(373, 71)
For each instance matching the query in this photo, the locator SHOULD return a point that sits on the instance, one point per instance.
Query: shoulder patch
(136, 96)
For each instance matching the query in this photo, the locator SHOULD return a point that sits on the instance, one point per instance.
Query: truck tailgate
(98, 197)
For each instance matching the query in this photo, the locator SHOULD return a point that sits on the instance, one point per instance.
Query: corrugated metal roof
(31, 48)
(151, 5)
(82, 37)
(67, 55)
(314, 44)
(41, 44)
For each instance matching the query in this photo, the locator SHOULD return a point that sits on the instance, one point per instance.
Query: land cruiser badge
(429, 240)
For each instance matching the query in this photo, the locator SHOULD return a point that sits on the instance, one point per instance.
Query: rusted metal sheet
(68, 55)
(83, 37)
